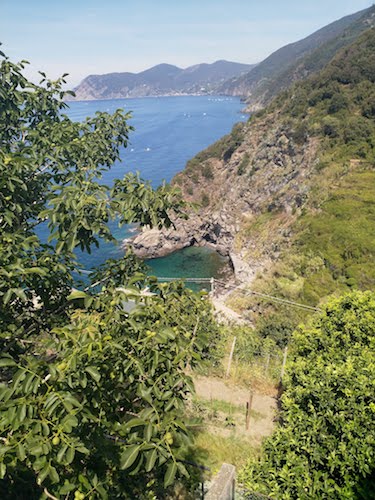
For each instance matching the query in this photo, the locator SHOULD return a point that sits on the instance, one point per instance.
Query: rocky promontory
(153, 243)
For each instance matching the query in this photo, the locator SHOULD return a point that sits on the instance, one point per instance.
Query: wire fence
(266, 362)
(214, 285)
(261, 364)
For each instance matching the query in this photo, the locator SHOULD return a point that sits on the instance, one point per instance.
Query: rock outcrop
(259, 169)
(152, 243)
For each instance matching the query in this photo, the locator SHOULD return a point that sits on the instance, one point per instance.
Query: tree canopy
(91, 393)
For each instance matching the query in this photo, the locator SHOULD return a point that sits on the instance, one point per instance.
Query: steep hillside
(163, 79)
(291, 194)
(298, 60)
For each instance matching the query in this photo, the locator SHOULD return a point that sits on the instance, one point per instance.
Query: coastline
(155, 243)
(152, 96)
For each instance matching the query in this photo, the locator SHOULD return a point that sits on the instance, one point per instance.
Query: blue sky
(82, 37)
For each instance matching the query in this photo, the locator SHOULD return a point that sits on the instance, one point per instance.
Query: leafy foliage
(324, 447)
(93, 381)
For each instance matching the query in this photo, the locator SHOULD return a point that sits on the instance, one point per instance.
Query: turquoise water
(192, 262)
(168, 132)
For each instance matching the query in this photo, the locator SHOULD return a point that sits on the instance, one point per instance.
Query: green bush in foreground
(325, 445)
(92, 381)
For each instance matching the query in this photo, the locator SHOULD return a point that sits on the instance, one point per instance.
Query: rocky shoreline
(155, 243)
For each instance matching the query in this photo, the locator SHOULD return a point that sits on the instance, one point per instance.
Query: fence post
(284, 363)
(230, 357)
(249, 405)
(212, 281)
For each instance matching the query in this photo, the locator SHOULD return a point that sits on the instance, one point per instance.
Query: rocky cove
(250, 186)
(154, 244)
(213, 235)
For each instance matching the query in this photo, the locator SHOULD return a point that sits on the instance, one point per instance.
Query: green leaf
(182, 469)
(69, 457)
(21, 413)
(67, 487)
(88, 301)
(53, 475)
(21, 454)
(134, 422)
(7, 362)
(61, 453)
(151, 457)
(7, 296)
(45, 429)
(36, 450)
(3, 470)
(43, 474)
(77, 294)
(36, 270)
(69, 422)
(27, 382)
(170, 474)
(94, 373)
(148, 431)
(20, 294)
(82, 449)
(102, 492)
(129, 455)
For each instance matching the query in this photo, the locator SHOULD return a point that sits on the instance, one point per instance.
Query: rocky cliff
(282, 191)
(233, 186)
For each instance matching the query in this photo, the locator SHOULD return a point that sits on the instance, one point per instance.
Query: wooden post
(230, 357)
(284, 363)
(249, 405)
(212, 285)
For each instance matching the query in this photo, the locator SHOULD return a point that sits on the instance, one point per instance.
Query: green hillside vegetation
(330, 247)
(333, 247)
(314, 59)
(223, 148)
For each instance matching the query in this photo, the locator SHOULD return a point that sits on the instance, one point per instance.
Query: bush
(243, 165)
(205, 200)
(207, 171)
(325, 447)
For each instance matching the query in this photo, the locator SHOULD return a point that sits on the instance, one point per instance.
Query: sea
(168, 131)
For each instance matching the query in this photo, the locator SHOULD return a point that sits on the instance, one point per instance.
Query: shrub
(325, 447)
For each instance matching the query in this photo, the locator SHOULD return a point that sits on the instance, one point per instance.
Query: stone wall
(223, 485)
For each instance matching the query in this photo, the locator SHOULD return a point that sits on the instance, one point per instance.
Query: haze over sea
(168, 132)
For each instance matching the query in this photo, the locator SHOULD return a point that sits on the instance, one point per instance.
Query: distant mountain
(297, 60)
(163, 79)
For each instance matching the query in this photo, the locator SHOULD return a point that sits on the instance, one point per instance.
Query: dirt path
(224, 313)
(261, 425)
